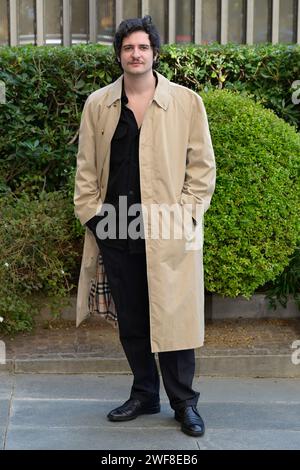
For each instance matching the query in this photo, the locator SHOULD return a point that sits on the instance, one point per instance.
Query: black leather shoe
(191, 421)
(132, 408)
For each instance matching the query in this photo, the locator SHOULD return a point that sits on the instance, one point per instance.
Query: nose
(135, 52)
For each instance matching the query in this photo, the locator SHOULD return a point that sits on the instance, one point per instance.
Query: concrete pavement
(69, 412)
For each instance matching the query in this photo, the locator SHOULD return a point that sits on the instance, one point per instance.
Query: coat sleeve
(87, 192)
(200, 172)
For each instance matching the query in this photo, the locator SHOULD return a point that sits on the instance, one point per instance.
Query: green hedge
(266, 72)
(253, 225)
(46, 89)
(37, 256)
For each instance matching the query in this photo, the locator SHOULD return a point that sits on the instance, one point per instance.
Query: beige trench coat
(177, 165)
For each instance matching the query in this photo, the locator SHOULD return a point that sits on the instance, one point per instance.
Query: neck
(139, 84)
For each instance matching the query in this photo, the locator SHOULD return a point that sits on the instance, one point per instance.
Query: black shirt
(124, 180)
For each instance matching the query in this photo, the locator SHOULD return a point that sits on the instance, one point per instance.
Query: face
(137, 54)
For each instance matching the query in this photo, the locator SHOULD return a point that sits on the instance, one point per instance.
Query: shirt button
(131, 193)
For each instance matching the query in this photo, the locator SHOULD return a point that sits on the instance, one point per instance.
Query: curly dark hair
(132, 25)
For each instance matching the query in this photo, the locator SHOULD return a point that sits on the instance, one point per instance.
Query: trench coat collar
(161, 95)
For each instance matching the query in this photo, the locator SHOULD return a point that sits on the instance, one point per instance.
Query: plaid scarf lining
(100, 298)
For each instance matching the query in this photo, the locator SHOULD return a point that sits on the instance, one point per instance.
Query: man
(147, 140)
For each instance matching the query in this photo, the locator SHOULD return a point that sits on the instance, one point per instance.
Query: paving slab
(250, 417)
(85, 413)
(98, 439)
(78, 413)
(8, 366)
(71, 365)
(248, 390)
(117, 387)
(224, 439)
(101, 439)
(4, 418)
(6, 385)
(234, 364)
(98, 387)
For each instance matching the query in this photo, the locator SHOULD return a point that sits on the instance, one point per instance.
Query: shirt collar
(124, 98)
(161, 96)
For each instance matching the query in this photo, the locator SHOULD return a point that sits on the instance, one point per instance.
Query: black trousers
(127, 278)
